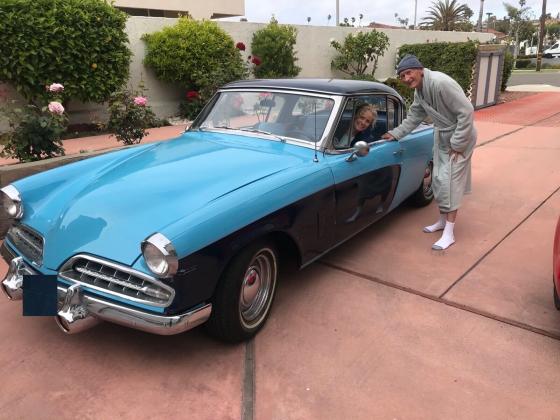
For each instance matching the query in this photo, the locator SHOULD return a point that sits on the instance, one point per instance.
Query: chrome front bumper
(78, 311)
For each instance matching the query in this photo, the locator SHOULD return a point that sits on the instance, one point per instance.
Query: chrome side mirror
(361, 149)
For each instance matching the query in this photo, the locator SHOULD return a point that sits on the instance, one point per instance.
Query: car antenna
(315, 159)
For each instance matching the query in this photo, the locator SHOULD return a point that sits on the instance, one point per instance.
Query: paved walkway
(381, 328)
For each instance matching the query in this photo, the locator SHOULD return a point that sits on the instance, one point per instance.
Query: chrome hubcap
(427, 182)
(257, 288)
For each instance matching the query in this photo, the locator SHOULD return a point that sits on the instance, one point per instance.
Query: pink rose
(56, 108)
(140, 101)
(55, 87)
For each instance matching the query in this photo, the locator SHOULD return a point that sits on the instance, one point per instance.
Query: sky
(379, 11)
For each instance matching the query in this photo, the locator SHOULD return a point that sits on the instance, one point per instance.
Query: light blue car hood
(108, 209)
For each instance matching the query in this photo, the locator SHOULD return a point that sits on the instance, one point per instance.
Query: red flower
(240, 46)
(256, 60)
(192, 95)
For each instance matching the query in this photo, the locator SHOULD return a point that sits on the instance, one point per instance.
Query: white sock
(447, 238)
(439, 225)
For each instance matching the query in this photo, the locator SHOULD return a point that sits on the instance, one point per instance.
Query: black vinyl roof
(332, 86)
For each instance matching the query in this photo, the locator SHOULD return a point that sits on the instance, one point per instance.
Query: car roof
(332, 86)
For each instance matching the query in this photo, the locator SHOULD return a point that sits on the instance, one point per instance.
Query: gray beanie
(409, 61)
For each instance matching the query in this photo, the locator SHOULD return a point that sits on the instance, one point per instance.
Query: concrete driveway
(383, 327)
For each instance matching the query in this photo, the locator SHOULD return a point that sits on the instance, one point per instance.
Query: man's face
(412, 77)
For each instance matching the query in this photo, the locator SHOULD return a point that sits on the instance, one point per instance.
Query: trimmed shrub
(197, 55)
(81, 42)
(508, 68)
(455, 59)
(274, 46)
(522, 64)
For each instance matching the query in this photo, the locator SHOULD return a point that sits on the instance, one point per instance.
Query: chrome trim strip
(143, 321)
(67, 267)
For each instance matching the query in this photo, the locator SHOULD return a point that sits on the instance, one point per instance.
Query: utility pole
(541, 36)
(337, 12)
(415, 9)
(479, 23)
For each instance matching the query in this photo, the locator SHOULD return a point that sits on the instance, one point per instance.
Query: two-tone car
(164, 237)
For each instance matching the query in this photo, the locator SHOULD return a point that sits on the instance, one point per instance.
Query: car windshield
(284, 115)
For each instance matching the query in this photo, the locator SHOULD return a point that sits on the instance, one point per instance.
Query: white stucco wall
(313, 48)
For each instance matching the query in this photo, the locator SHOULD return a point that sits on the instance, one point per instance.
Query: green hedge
(506, 72)
(79, 43)
(522, 64)
(453, 58)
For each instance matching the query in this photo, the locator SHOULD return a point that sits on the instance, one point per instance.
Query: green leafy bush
(130, 115)
(274, 46)
(506, 72)
(456, 59)
(358, 51)
(406, 93)
(198, 55)
(82, 42)
(36, 130)
(522, 64)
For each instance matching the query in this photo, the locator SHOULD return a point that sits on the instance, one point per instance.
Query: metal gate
(487, 78)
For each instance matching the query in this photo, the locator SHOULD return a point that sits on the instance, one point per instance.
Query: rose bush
(35, 129)
(130, 116)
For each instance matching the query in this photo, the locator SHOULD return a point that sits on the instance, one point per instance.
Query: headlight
(160, 255)
(11, 202)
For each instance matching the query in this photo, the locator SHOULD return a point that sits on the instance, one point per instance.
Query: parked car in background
(556, 266)
(553, 51)
(164, 237)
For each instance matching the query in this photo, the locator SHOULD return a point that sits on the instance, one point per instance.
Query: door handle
(399, 152)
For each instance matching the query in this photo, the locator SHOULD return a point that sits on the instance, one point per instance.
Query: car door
(364, 186)
(415, 149)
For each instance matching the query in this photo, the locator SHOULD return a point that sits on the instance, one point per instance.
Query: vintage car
(164, 237)
(556, 266)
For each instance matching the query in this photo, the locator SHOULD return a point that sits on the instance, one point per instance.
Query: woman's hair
(366, 108)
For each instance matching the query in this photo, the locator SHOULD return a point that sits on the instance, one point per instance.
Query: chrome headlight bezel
(160, 255)
(11, 202)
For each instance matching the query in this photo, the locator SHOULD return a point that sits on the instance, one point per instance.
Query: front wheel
(245, 293)
(424, 194)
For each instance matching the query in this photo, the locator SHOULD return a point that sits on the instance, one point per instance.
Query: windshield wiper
(268, 133)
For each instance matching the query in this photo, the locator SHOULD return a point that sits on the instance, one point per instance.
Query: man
(440, 97)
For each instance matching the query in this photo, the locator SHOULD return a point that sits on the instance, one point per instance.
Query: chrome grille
(118, 280)
(28, 242)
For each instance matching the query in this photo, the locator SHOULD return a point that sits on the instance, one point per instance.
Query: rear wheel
(424, 194)
(245, 293)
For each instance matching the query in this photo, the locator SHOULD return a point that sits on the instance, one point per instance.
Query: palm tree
(446, 15)
(329, 17)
